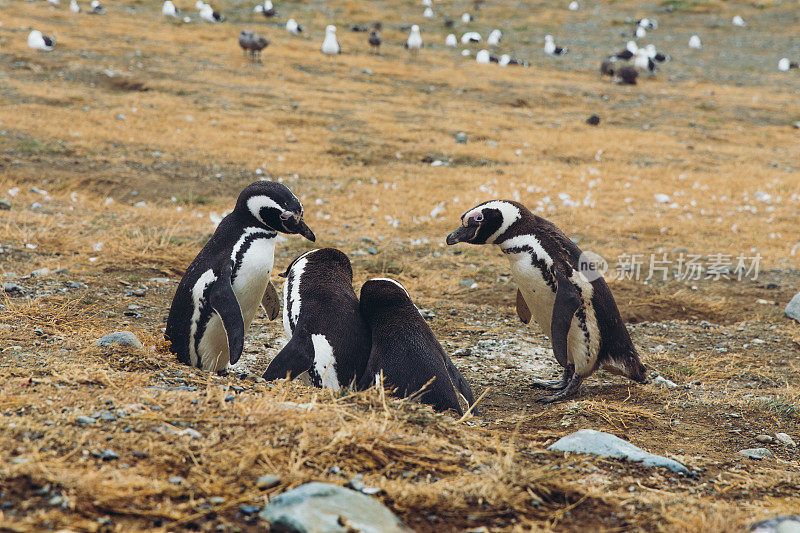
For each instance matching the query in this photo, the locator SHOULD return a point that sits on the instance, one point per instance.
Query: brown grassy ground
(713, 131)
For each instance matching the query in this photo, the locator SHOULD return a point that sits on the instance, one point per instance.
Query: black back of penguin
(405, 349)
(262, 209)
(329, 337)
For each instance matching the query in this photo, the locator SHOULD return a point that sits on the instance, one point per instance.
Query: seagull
(471, 37)
(414, 41)
(551, 49)
(482, 56)
(451, 40)
(252, 44)
(694, 42)
(428, 13)
(54, 2)
(427, 3)
(37, 41)
(784, 64)
(640, 32)
(374, 40)
(74, 7)
(505, 59)
(330, 46)
(267, 9)
(655, 55)
(208, 14)
(626, 75)
(466, 18)
(168, 9)
(643, 62)
(647, 23)
(494, 38)
(293, 27)
(738, 21)
(97, 8)
(573, 6)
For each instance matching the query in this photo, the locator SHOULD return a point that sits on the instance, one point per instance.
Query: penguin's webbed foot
(222, 373)
(549, 384)
(570, 390)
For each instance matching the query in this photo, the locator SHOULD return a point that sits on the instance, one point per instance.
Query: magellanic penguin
(220, 293)
(321, 317)
(405, 351)
(578, 313)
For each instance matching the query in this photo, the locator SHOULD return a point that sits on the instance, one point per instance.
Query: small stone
(122, 338)
(216, 500)
(427, 314)
(371, 250)
(771, 286)
(85, 420)
(593, 120)
(461, 137)
(176, 480)
(764, 439)
(462, 352)
(5, 204)
(664, 383)
(493, 144)
(268, 481)
(662, 198)
(249, 510)
(784, 438)
(793, 308)
(11, 287)
(121, 116)
(778, 524)
(797, 125)
(55, 500)
(40, 272)
(756, 453)
(108, 416)
(367, 71)
(108, 455)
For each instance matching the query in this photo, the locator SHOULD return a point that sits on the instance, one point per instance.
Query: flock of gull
(623, 67)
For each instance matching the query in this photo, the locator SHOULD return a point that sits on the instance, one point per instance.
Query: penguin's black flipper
(567, 302)
(295, 358)
(223, 301)
(271, 302)
(368, 377)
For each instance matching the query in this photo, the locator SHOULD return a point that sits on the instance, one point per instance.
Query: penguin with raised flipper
(558, 288)
(223, 287)
(405, 351)
(328, 336)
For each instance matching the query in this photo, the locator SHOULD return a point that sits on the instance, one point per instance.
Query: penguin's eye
(478, 217)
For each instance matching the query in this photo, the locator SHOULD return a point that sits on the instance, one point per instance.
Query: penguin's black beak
(302, 228)
(462, 234)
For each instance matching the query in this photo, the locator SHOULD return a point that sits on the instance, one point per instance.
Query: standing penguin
(405, 350)
(221, 290)
(329, 337)
(571, 304)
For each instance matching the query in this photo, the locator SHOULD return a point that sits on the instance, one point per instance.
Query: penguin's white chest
(583, 338)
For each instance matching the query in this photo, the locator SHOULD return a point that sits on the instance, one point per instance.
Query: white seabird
(38, 41)
(414, 41)
(428, 13)
(97, 8)
(738, 21)
(330, 46)
(573, 6)
(168, 9)
(293, 27)
(550, 47)
(505, 59)
(694, 42)
(451, 40)
(482, 56)
(494, 38)
(640, 33)
(471, 37)
(209, 15)
(74, 7)
(466, 18)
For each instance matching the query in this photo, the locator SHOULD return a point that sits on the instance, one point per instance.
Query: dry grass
(356, 147)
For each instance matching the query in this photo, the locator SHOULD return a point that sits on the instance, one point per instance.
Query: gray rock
(40, 272)
(268, 481)
(108, 455)
(764, 439)
(607, 445)
(322, 507)
(5, 204)
(10, 286)
(784, 438)
(778, 524)
(757, 453)
(793, 308)
(461, 137)
(176, 480)
(216, 500)
(85, 420)
(108, 416)
(663, 382)
(122, 338)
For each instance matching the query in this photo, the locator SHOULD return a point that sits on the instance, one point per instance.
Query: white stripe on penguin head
(509, 211)
(390, 280)
(256, 203)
